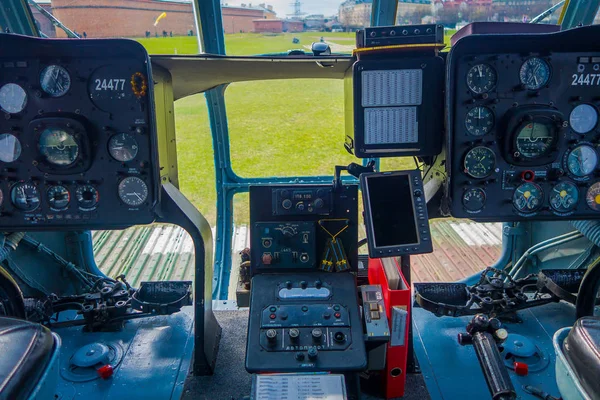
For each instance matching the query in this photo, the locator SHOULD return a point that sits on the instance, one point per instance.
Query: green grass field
(277, 128)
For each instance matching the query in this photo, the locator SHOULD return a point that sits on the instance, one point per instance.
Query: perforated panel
(401, 87)
(391, 125)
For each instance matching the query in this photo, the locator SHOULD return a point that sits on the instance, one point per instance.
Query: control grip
(492, 365)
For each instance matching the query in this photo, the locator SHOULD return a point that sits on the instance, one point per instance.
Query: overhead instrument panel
(523, 126)
(77, 139)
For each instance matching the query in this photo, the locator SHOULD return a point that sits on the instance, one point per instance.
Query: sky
(284, 7)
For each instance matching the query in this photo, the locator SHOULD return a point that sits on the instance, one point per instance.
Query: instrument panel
(77, 139)
(523, 126)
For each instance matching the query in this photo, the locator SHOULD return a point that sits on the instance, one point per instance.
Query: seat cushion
(582, 349)
(25, 349)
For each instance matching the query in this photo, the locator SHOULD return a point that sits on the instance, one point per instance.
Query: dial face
(582, 160)
(58, 197)
(87, 197)
(479, 121)
(25, 196)
(564, 197)
(13, 98)
(535, 139)
(58, 146)
(481, 78)
(123, 147)
(592, 197)
(534, 73)
(10, 148)
(528, 197)
(480, 162)
(55, 80)
(474, 199)
(133, 191)
(583, 118)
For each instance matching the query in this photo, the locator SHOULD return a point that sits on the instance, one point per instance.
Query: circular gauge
(481, 78)
(87, 197)
(583, 118)
(534, 73)
(592, 197)
(535, 139)
(58, 146)
(473, 199)
(528, 197)
(582, 160)
(13, 98)
(25, 196)
(10, 148)
(480, 162)
(58, 197)
(133, 191)
(479, 121)
(123, 147)
(55, 80)
(564, 197)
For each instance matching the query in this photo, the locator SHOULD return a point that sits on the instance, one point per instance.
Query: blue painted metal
(155, 363)
(46, 386)
(452, 371)
(579, 12)
(16, 17)
(383, 12)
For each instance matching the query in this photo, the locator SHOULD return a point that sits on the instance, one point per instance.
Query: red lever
(106, 371)
(521, 369)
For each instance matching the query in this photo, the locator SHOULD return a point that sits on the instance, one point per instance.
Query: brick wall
(293, 26)
(268, 25)
(42, 22)
(132, 18)
(239, 20)
(127, 18)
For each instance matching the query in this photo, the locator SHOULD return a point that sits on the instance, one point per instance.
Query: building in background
(136, 18)
(355, 14)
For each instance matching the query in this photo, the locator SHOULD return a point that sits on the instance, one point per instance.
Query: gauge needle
(138, 196)
(479, 68)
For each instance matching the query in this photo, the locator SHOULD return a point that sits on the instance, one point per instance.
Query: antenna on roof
(297, 14)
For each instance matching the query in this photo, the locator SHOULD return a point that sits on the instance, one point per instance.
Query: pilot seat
(29, 352)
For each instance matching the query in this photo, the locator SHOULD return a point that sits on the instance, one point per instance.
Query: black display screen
(391, 210)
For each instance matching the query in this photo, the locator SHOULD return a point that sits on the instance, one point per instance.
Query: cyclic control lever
(485, 334)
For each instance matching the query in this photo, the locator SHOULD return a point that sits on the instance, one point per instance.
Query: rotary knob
(271, 335)
(286, 204)
(317, 335)
(319, 203)
(313, 353)
(294, 335)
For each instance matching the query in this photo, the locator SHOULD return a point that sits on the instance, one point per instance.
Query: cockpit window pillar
(16, 17)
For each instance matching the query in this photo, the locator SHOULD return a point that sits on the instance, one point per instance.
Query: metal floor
(231, 381)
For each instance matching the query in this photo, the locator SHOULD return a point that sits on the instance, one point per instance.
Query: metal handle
(494, 370)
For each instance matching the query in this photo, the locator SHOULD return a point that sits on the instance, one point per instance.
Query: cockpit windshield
(267, 26)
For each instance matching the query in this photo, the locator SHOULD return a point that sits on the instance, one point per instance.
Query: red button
(337, 315)
(272, 316)
(105, 371)
(521, 369)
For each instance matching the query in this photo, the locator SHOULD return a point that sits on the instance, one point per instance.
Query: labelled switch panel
(283, 245)
(304, 321)
(374, 315)
(302, 201)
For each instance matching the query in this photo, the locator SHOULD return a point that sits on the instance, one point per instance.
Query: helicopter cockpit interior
(503, 127)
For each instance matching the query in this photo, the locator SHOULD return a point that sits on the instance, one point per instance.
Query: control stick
(485, 334)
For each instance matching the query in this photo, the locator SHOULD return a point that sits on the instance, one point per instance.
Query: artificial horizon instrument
(506, 124)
